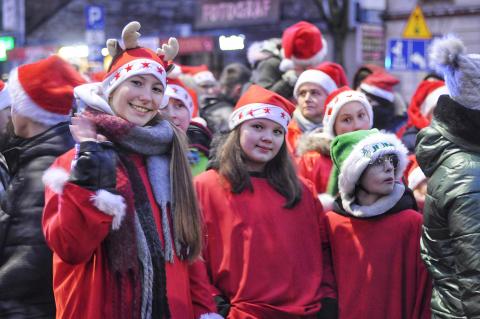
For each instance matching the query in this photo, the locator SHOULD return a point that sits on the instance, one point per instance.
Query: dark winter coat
(268, 75)
(448, 152)
(25, 260)
(4, 176)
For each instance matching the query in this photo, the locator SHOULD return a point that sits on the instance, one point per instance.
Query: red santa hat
(135, 60)
(380, 84)
(177, 90)
(415, 176)
(302, 44)
(43, 91)
(200, 74)
(4, 96)
(260, 103)
(334, 103)
(328, 75)
(424, 101)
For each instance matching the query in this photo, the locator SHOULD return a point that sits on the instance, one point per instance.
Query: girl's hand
(83, 130)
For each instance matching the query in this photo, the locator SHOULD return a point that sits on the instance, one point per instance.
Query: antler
(130, 35)
(113, 47)
(170, 50)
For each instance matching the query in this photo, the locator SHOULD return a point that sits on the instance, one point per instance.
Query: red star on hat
(128, 67)
(145, 64)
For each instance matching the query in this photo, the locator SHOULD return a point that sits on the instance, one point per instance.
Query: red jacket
(293, 134)
(75, 229)
(315, 167)
(268, 261)
(377, 265)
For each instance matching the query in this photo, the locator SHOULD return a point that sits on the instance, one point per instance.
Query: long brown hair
(186, 215)
(279, 171)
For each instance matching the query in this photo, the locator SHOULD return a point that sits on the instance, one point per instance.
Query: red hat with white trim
(415, 176)
(177, 90)
(200, 74)
(43, 91)
(135, 60)
(424, 101)
(380, 84)
(4, 96)
(302, 44)
(334, 103)
(260, 103)
(328, 75)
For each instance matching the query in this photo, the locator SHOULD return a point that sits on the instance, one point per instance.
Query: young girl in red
(266, 250)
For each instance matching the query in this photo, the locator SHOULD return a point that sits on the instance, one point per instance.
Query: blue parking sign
(95, 17)
(407, 55)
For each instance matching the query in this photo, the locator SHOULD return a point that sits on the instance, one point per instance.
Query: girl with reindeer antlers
(121, 214)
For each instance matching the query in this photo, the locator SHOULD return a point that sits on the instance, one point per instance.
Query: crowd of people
(154, 190)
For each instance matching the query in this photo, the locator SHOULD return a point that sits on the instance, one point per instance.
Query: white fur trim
(132, 68)
(431, 101)
(384, 94)
(315, 140)
(327, 201)
(211, 315)
(336, 104)
(199, 120)
(91, 94)
(291, 62)
(110, 204)
(204, 77)
(5, 98)
(179, 93)
(55, 178)
(415, 177)
(381, 206)
(316, 77)
(259, 111)
(369, 149)
(22, 104)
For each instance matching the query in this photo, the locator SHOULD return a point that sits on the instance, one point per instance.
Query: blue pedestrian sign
(95, 17)
(407, 55)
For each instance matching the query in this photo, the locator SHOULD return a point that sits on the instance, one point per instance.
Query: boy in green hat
(374, 230)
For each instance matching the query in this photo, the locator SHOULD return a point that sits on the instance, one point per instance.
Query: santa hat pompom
(445, 51)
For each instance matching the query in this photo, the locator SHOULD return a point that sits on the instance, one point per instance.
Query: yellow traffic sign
(416, 27)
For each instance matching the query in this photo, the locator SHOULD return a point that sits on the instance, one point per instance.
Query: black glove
(95, 166)
(329, 309)
(223, 305)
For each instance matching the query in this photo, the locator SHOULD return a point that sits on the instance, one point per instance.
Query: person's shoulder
(209, 177)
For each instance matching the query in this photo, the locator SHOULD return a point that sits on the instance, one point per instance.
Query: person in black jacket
(5, 122)
(40, 114)
(448, 152)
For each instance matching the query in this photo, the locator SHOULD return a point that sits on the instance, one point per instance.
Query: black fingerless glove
(329, 309)
(95, 166)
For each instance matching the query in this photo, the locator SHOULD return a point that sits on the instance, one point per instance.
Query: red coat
(377, 265)
(315, 167)
(293, 134)
(75, 229)
(268, 261)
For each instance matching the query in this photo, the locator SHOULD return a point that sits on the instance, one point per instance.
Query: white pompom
(445, 51)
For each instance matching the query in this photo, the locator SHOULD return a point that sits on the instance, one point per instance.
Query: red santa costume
(376, 248)
(266, 260)
(113, 244)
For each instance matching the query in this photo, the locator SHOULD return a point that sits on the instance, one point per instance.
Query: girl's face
(311, 98)
(178, 113)
(137, 99)
(352, 117)
(261, 140)
(379, 177)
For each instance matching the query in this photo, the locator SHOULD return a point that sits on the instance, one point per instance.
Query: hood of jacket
(452, 126)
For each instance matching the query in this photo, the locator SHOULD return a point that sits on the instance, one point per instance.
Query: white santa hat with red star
(260, 103)
(303, 45)
(43, 91)
(176, 90)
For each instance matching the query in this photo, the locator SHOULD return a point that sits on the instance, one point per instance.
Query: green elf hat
(353, 152)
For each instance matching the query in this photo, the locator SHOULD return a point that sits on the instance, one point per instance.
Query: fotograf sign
(212, 13)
